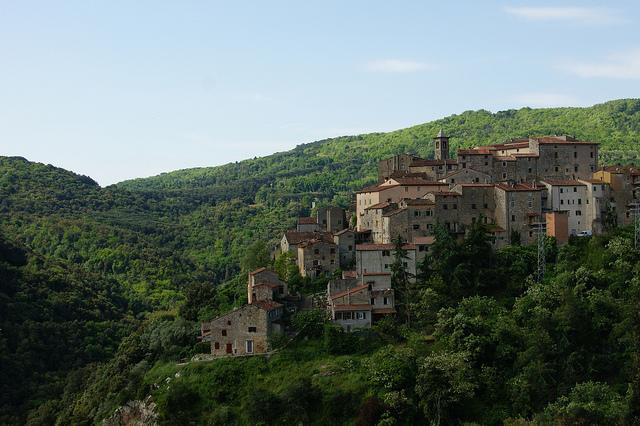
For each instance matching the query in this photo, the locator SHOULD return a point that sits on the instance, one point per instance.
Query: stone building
(331, 219)
(349, 303)
(518, 207)
(624, 184)
(292, 239)
(264, 284)
(243, 331)
(317, 257)
(378, 258)
(345, 240)
(307, 224)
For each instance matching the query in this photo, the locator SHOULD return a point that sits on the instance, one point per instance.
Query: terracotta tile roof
(413, 181)
(477, 185)
(422, 162)
(563, 182)
(382, 205)
(417, 202)
(268, 305)
(394, 212)
(366, 307)
(344, 231)
(429, 239)
(505, 158)
(475, 151)
(374, 247)
(307, 221)
(465, 171)
(314, 241)
(349, 291)
(296, 237)
(257, 271)
(349, 274)
(519, 187)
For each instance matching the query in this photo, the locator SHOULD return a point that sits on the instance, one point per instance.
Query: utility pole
(634, 208)
(540, 230)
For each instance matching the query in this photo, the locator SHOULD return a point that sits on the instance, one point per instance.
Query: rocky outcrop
(134, 413)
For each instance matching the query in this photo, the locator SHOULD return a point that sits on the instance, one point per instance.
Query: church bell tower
(441, 148)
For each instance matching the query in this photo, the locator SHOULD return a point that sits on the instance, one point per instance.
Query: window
(504, 164)
(486, 206)
(555, 154)
(385, 301)
(575, 168)
(464, 165)
(338, 315)
(579, 200)
(228, 322)
(373, 301)
(416, 226)
(406, 189)
(224, 332)
(249, 346)
(513, 218)
(575, 189)
(561, 202)
(591, 154)
(316, 251)
(556, 168)
(445, 207)
(332, 251)
(455, 207)
(504, 176)
(486, 163)
(251, 329)
(578, 213)
(575, 154)
(529, 170)
(346, 315)
(473, 206)
(217, 345)
(386, 253)
(561, 190)
(386, 266)
(361, 315)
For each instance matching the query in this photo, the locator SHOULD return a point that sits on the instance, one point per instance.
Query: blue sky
(122, 89)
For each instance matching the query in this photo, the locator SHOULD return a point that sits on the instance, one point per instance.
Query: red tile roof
(295, 237)
(429, 239)
(349, 274)
(268, 305)
(563, 182)
(349, 291)
(422, 162)
(519, 187)
(307, 221)
(374, 247)
(382, 205)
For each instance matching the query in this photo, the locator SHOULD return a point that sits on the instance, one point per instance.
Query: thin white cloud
(545, 100)
(584, 15)
(398, 66)
(622, 65)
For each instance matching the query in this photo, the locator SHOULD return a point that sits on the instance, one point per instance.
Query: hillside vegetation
(83, 266)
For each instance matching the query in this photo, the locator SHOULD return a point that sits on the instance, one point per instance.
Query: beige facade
(570, 196)
(378, 258)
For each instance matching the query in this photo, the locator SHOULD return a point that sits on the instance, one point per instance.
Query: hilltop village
(518, 189)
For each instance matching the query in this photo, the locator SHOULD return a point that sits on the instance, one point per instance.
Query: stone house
(378, 258)
(307, 224)
(466, 175)
(317, 257)
(518, 207)
(243, 331)
(598, 204)
(345, 240)
(264, 284)
(624, 184)
(349, 303)
(331, 219)
(292, 239)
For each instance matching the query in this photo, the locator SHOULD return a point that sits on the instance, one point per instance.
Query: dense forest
(101, 291)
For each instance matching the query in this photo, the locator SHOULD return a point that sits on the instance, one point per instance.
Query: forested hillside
(83, 266)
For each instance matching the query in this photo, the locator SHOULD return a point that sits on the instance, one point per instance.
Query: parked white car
(584, 234)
